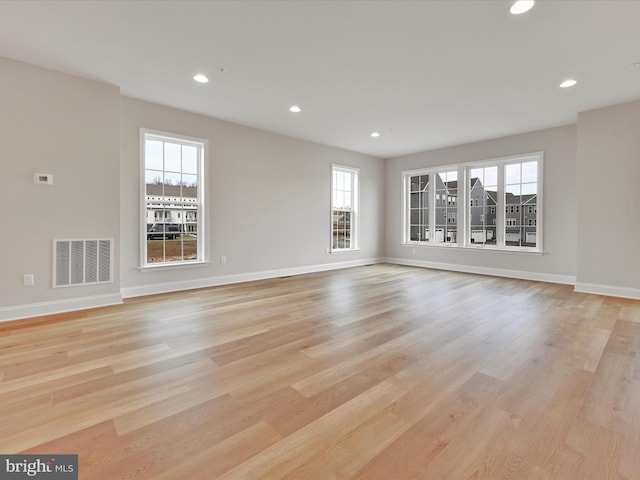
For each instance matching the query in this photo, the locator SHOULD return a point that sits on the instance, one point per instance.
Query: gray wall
(558, 263)
(68, 127)
(608, 201)
(268, 206)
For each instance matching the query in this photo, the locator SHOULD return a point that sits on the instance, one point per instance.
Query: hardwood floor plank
(343, 459)
(607, 401)
(213, 461)
(328, 430)
(411, 454)
(593, 453)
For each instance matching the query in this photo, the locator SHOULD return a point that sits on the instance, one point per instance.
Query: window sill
(521, 250)
(344, 250)
(172, 266)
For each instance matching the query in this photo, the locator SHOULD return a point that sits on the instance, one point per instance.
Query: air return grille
(82, 262)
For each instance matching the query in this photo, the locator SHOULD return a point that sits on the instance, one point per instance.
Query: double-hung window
(344, 208)
(492, 204)
(172, 229)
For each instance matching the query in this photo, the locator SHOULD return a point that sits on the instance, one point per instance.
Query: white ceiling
(425, 74)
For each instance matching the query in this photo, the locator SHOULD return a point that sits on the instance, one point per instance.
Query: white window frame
(355, 213)
(456, 206)
(464, 204)
(202, 242)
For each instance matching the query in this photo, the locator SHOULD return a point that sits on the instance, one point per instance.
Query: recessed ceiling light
(568, 83)
(200, 78)
(375, 134)
(295, 109)
(521, 6)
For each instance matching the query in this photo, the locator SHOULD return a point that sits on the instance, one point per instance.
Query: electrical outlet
(223, 259)
(28, 280)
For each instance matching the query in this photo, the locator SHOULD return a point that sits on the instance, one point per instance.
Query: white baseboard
(496, 272)
(61, 306)
(608, 290)
(153, 289)
(58, 306)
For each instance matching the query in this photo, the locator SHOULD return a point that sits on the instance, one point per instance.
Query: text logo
(40, 467)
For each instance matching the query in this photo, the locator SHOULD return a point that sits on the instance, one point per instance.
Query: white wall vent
(82, 262)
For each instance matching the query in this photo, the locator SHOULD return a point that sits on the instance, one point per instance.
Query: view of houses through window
(172, 198)
(500, 209)
(344, 203)
(445, 207)
(483, 198)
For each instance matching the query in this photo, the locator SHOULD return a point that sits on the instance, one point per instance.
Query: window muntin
(344, 208)
(494, 205)
(173, 191)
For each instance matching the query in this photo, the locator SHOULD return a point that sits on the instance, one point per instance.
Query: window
(344, 208)
(483, 188)
(498, 207)
(434, 225)
(521, 188)
(172, 199)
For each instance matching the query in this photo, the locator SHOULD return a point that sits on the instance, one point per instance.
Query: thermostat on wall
(43, 179)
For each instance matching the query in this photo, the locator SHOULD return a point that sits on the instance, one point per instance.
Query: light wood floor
(376, 372)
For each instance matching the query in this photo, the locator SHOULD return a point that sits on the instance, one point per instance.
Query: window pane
(172, 179)
(530, 172)
(529, 188)
(512, 174)
(172, 157)
(491, 177)
(189, 160)
(347, 199)
(153, 183)
(416, 199)
(153, 155)
(339, 181)
(189, 186)
(512, 191)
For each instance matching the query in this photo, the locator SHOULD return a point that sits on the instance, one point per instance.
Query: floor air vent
(82, 262)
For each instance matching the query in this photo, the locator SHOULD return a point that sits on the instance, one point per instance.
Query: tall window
(344, 208)
(446, 184)
(419, 193)
(433, 225)
(483, 190)
(173, 193)
(491, 204)
(521, 192)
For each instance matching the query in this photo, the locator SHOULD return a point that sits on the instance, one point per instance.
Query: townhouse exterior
(520, 213)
